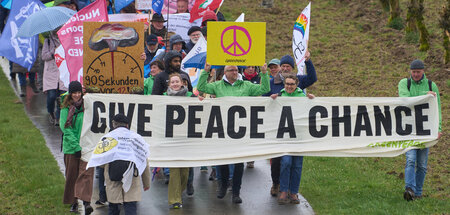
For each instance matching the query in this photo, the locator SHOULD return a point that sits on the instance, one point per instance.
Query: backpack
(117, 168)
(429, 84)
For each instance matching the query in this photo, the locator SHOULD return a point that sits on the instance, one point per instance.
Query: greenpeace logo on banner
(251, 128)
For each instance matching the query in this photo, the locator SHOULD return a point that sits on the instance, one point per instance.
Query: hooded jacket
(238, 88)
(419, 88)
(160, 82)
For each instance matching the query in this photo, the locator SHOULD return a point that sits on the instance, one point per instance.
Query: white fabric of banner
(184, 132)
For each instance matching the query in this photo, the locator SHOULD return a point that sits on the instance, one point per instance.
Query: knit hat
(287, 59)
(152, 39)
(75, 86)
(209, 15)
(274, 61)
(417, 64)
(121, 118)
(194, 29)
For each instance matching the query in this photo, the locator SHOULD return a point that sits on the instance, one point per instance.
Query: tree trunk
(411, 17)
(446, 47)
(385, 5)
(395, 21)
(444, 23)
(424, 45)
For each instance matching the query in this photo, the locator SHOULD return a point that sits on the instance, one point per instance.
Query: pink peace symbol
(235, 44)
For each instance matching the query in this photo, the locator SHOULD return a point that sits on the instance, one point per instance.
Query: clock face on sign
(112, 60)
(122, 70)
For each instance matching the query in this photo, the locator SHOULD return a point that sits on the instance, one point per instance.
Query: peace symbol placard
(236, 43)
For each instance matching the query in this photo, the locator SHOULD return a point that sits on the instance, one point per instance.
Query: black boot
(87, 208)
(23, 91)
(74, 208)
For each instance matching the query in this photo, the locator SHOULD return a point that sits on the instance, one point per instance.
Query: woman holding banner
(79, 181)
(291, 166)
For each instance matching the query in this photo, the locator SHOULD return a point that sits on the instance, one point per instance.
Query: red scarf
(250, 76)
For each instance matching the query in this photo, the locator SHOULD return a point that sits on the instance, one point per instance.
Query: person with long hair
(79, 181)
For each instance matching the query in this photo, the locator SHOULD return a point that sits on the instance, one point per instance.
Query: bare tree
(385, 5)
(395, 21)
(444, 23)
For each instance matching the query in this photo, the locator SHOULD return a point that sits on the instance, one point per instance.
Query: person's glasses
(196, 35)
(289, 84)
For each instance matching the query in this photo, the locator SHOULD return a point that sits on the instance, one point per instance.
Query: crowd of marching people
(164, 52)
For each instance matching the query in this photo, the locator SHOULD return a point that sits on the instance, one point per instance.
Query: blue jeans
(23, 78)
(416, 169)
(52, 95)
(291, 173)
(129, 207)
(231, 171)
(101, 184)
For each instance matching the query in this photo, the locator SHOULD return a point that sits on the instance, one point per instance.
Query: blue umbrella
(198, 61)
(45, 20)
(7, 4)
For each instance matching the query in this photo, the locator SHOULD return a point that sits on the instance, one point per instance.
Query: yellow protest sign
(236, 43)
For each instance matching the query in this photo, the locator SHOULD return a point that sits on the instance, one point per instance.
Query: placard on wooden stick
(112, 57)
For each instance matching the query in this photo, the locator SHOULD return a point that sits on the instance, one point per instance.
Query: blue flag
(20, 50)
(120, 4)
(6, 4)
(157, 5)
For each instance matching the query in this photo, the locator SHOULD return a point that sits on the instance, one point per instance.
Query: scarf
(278, 79)
(72, 108)
(181, 92)
(250, 76)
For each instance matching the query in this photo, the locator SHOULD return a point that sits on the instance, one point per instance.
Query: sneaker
(204, 169)
(408, 195)
(222, 192)
(275, 190)
(74, 208)
(294, 199)
(190, 189)
(236, 199)
(176, 206)
(56, 122)
(100, 203)
(51, 118)
(23, 91)
(251, 164)
(283, 198)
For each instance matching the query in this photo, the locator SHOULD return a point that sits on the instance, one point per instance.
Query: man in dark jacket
(157, 27)
(194, 34)
(151, 47)
(172, 62)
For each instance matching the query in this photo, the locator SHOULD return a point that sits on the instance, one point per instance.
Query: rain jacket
(297, 93)
(148, 85)
(419, 88)
(239, 88)
(71, 137)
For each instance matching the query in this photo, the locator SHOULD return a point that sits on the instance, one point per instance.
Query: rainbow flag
(301, 23)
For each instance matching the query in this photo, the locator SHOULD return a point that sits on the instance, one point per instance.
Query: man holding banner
(417, 85)
(232, 85)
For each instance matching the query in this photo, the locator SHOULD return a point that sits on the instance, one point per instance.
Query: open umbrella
(45, 20)
(197, 61)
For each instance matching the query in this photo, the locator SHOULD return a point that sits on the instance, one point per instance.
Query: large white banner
(183, 131)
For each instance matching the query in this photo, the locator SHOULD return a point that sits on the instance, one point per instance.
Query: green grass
(30, 180)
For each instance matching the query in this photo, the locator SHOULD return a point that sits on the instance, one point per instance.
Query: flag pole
(167, 33)
(219, 7)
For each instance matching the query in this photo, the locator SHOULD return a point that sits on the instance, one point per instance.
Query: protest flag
(157, 6)
(300, 38)
(20, 50)
(201, 6)
(120, 4)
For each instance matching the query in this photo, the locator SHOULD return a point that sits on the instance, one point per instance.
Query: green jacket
(188, 94)
(148, 85)
(71, 137)
(419, 88)
(239, 88)
(297, 93)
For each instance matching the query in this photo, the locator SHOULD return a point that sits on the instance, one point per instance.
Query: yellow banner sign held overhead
(236, 43)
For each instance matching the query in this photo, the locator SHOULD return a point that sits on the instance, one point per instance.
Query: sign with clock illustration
(112, 57)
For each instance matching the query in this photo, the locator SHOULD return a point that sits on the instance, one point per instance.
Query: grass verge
(30, 180)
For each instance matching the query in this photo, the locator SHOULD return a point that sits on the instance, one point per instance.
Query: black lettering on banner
(385, 119)
(312, 121)
(231, 122)
(98, 107)
(129, 115)
(361, 116)
(398, 117)
(192, 121)
(215, 116)
(142, 119)
(171, 121)
(286, 117)
(420, 118)
(336, 120)
(255, 121)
